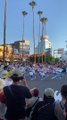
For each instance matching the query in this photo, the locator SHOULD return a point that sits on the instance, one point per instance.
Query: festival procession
(33, 66)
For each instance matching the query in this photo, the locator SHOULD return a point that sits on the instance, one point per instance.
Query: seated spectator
(44, 110)
(15, 96)
(64, 97)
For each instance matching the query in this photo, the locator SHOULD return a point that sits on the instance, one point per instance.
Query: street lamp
(4, 39)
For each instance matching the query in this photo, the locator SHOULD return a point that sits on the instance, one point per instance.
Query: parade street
(48, 82)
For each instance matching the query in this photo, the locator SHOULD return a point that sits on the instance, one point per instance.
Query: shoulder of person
(32, 101)
(59, 105)
(5, 88)
(25, 88)
(40, 99)
(59, 111)
(39, 104)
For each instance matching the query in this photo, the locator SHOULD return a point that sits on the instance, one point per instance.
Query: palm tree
(24, 13)
(39, 13)
(44, 21)
(33, 4)
(4, 44)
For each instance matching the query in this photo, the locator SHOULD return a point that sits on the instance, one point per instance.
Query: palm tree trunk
(42, 58)
(34, 37)
(42, 37)
(42, 30)
(23, 29)
(22, 38)
(39, 38)
(4, 40)
(45, 28)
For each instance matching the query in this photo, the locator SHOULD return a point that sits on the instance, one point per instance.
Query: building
(64, 56)
(22, 48)
(8, 51)
(44, 46)
(19, 49)
(58, 52)
(1, 51)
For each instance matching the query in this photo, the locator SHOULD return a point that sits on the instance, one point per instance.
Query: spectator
(2, 105)
(33, 101)
(59, 110)
(44, 110)
(64, 97)
(15, 96)
(35, 96)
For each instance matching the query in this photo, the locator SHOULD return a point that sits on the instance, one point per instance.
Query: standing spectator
(2, 105)
(64, 97)
(44, 110)
(15, 96)
(33, 101)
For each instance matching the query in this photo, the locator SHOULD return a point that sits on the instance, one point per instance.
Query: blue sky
(54, 10)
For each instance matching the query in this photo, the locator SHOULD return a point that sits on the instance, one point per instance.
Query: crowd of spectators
(19, 102)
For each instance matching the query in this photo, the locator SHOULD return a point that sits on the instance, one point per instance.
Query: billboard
(60, 50)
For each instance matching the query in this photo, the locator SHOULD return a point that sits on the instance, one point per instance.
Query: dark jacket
(44, 110)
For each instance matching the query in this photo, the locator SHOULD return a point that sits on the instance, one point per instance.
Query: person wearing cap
(44, 110)
(15, 96)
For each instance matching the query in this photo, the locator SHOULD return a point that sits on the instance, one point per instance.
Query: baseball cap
(49, 92)
(16, 75)
(17, 72)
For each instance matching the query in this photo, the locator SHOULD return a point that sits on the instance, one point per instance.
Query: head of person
(16, 76)
(64, 93)
(48, 94)
(34, 92)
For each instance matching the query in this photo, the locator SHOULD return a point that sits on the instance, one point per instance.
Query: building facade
(22, 47)
(17, 49)
(44, 46)
(8, 51)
